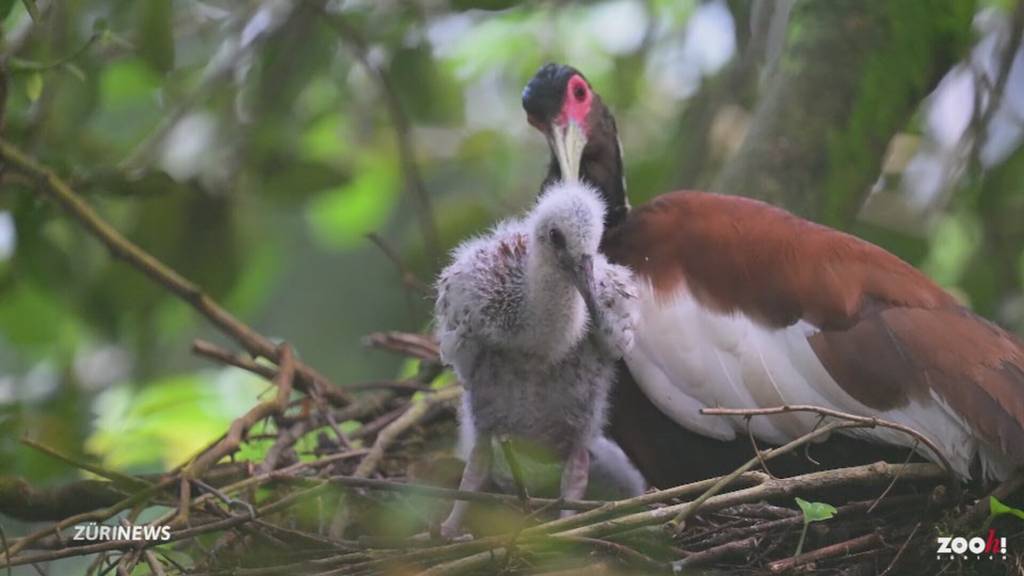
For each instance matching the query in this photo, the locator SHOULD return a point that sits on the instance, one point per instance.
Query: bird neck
(556, 313)
(602, 168)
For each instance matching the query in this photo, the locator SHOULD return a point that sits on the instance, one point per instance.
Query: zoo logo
(953, 546)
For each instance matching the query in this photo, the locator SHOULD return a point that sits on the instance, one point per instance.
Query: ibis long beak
(583, 278)
(568, 142)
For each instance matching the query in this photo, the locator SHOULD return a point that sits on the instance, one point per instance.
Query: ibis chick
(532, 318)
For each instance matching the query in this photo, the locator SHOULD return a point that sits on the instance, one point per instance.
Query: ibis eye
(557, 238)
(579, 92)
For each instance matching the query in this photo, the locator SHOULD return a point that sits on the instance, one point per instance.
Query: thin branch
(16, 65)
(7, 549)
(720, 552)
(117, 478)
(679, 521)
(120, 247)
(207, 527)
(412, 416)
(770, 488)
(856, 476)
(409, 280)
(757, 451)
(212, 351)
(415, 413)
(857, 544)
(517, 472)
(996, 89)
(899, 552)
(93, 516)
(286, 439)
(415, 345)
(328, 416)
(441, 493)
(154, 565)
(407, 386)
(608, 509)
(240, 427)
(888, 488)
(748, 539)
(869, 422)
(624, 553)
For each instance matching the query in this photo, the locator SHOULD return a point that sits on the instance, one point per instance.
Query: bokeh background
(254, 145)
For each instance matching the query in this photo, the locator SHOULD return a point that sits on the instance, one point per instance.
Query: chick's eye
(557, 238)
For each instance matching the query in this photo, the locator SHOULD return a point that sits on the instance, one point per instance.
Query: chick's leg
(475, 475)
(575, 475)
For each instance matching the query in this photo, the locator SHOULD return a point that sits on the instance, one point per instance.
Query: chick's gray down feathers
(537, 366)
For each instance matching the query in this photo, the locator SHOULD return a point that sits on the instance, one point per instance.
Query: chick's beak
(568, 141)
(583, 278)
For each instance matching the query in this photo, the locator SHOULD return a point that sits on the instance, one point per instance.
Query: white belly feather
(687, 357)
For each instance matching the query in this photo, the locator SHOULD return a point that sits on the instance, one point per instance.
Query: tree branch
(870, 422)
(412, 416)
(240, 427)
(856, 476)
(415, 345)
(121, 248)
(839, 549)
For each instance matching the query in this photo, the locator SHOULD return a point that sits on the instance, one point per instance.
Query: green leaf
(127, 82)
(350, 426)
(324, 140)
(815, 511)
(997, 508)
(34, 86)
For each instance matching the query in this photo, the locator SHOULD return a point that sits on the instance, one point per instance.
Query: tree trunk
(850, 76)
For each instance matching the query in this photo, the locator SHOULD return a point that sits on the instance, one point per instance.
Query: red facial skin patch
(576, 106)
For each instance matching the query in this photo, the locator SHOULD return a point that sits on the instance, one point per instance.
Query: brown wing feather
(971, 364)
(888, 333)
(734, 253)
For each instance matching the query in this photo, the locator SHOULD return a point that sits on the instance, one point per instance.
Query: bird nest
(356, 478)
(364, 502)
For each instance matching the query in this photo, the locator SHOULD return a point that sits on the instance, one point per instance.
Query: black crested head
(542, 97)
(544, 100)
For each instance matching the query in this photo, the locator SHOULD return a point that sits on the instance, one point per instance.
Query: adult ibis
(745, 305)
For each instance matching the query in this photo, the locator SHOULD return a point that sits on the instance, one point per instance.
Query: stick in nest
(238, 430)
(769, 488)
(865, 542)
(413, 415)
(415, 345)
(868, 422)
